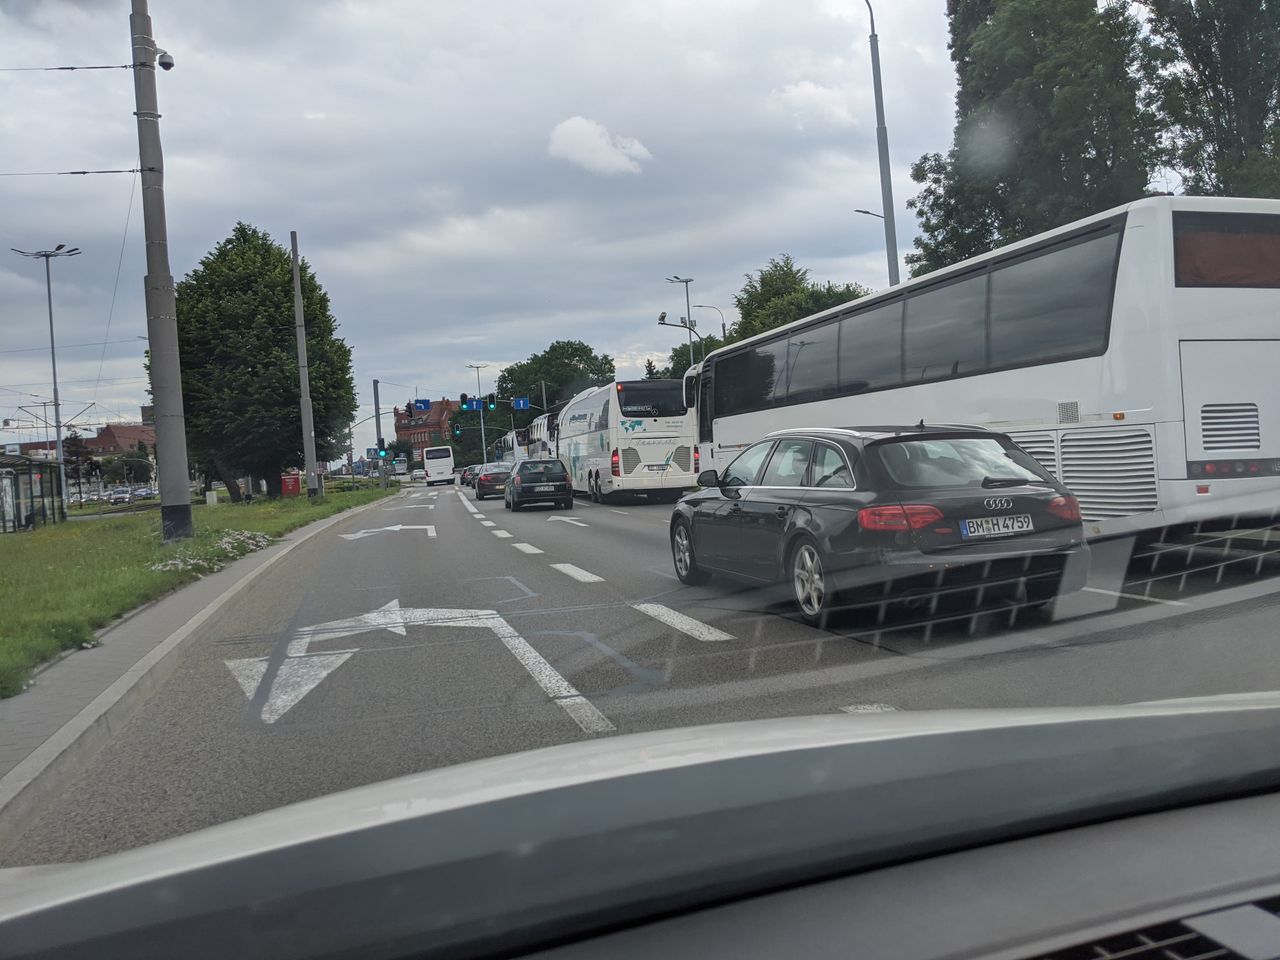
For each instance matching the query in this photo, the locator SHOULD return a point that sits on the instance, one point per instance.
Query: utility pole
(688, 311)
(484, 447)
(377, 419)
(162, 308)
(544, 395)
(304, 376)
(882, 145)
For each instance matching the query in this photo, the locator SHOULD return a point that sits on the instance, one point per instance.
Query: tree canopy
(782, 292)
(1051, 125)
(240, 366)
(566, 367)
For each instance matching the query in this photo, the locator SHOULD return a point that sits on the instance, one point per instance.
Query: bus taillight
(697, 460)
(615, 463)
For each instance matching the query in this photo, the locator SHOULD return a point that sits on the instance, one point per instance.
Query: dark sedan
(880, 509)
(491, 480)
(539, 481)
(468, 477)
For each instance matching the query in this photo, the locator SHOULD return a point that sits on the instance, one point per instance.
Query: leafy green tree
(399, 448)
(76, 456)
(1050, 126)
(566, 366)
(776, 295)
(1211, 67)
(652, 372)
(679, 362)
(240, 366)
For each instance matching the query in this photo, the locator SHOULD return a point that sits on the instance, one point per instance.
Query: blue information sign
(520, 403)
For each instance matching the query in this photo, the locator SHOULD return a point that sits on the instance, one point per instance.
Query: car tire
(515, 507)
(807, 575)
(682, 555)
(506, 503)
(479, 495)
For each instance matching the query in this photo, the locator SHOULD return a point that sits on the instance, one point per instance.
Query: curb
(56, 762)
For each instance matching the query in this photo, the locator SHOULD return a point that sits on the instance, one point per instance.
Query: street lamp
(882, 144)
(724, 331)
(46, 255)
(662, 322)
(688, 310)
(870, 213)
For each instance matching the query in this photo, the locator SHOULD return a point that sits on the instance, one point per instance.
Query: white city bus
(1135, 353)
(438, 464)
(630, 436)
(542, 437)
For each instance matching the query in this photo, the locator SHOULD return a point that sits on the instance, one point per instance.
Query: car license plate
(656, 467)
(544, 488)
(996, 526)
(499, 486)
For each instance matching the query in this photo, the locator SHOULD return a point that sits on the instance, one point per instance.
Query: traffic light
(492, 402)
(382, 449)
(457, 431)
(463, 402)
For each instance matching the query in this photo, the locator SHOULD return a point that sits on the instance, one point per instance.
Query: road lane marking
(526, 548)
(500, 533)
(467, 503)
(623, 512)
(477, 516)
(487, 523)
(413, 506)
(360, 535)
(686, 625)
(585, 714)
(576, 523)
(1133, 596)
(869, 708)
(582, 576)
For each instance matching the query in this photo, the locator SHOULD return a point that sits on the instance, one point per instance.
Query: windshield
(957, 463)
(658, 398)
(797, 377)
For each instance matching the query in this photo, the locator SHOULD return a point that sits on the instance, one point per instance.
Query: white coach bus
(541, 437)
(1136, 354)
(437, 463)
(630, 436)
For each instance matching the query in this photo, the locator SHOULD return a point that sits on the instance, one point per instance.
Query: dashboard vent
(1166, 941)
(1230, 426)
(1069, 411)
(630, 459)
(1042, 446)
(1112, 472)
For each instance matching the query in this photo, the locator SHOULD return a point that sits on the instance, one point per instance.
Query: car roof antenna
(920, 425)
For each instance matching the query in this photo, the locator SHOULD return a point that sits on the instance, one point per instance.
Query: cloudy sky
(469, 181)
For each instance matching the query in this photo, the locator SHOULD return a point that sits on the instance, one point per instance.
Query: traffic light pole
(484, 447)
(377, 419)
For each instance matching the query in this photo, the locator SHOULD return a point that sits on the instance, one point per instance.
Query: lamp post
(882, 145)
(724, 331)
(688, 310)
(484, 447)
(46, 255)
(662, 322)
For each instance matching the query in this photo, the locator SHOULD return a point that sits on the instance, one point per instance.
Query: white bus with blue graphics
(629, 437)
(1135, 354)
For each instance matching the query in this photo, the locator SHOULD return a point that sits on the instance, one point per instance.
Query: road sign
(520, 403)
(13, 449)
(471, 404)
(371, 452)
(421, 406)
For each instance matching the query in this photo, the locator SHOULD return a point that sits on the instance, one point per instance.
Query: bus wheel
(593, 488)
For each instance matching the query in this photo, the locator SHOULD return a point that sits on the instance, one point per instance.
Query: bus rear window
(437, 453)
(651, 398)
(1226, 249)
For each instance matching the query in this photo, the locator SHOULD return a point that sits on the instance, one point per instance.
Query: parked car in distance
(847, 511)
(469, 475)
(491, 480)
(120, 495)
(418, 475)
(539, 481)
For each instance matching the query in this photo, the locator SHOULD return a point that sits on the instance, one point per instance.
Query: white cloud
(591, 146)
(812, 104)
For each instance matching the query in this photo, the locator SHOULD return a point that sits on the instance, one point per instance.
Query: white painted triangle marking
(248, 673)
(297, 677)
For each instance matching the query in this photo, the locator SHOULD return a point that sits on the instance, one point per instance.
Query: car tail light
(615, 460)
(908, 516)
(1066, 507)
(515, 481)
(697, 460)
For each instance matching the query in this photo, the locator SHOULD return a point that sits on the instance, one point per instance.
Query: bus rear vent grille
(1161, 942)
(1069, 411)
(683, 459)
(1112, 472)
(630, 459)
(1042, 446)
(1230, 426)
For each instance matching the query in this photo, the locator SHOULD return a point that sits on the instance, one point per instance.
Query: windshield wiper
(1013, 481)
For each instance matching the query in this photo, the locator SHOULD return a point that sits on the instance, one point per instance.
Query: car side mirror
(708, 478)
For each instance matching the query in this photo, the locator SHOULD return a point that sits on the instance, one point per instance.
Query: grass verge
(59, 584)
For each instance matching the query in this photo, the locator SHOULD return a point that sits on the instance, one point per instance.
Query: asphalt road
(433, 630)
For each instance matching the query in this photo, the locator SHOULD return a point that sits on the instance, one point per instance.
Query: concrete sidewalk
(78, 701)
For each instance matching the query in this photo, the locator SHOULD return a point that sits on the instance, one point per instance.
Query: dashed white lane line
(500, 533)
(869, 708)
(560, 690)
(623, 512)
(467, 503)
(487, 523)
(686, 625)
(526, 548)
(582, 576)
(477, 516)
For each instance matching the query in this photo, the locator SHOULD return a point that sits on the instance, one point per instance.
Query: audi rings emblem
(998, 503)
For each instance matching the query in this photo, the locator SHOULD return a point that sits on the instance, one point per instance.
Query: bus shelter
(29, 493)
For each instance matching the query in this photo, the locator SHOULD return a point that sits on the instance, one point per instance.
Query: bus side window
(704, 409)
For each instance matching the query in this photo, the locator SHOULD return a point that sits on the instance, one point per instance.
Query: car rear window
(550, 469)
(955, 462)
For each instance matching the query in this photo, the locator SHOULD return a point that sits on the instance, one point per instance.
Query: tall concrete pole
(162, 309)
(377, 419)
(57, 407)
(304, 375)
(882, 144)
(484, 447)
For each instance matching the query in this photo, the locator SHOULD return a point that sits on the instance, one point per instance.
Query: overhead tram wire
(128, 216)
(71, 173)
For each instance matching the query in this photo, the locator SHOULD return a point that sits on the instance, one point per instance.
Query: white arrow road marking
(582, 576)
(687, 625)
(576, 523)
(302, 671)
(431, 531)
